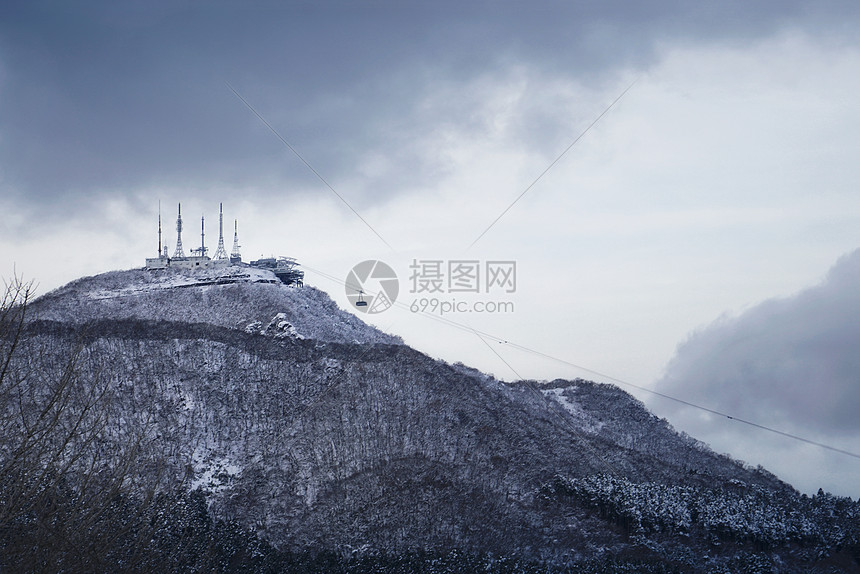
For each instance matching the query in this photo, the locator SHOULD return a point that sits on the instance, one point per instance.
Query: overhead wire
(307, 164)
(482, 335)
(551, 165)
(530, 385)
(501, 340)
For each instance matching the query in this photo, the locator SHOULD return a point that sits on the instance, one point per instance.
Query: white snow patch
(213, 473)
(254, 328)
(586, 422)
(171, 279)
(280, 328)
(188, 402)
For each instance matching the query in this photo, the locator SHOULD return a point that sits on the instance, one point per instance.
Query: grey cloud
(792, 362)
(103, 99)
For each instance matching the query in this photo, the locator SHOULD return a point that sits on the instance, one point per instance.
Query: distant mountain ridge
(318, 431)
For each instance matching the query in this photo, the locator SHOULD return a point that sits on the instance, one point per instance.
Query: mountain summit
(297, 421)
(235, 297)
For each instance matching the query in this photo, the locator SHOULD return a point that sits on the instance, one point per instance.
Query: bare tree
(68, 462)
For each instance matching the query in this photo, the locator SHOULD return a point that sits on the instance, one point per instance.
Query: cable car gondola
(361, 302)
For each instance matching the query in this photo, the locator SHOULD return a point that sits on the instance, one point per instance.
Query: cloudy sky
(697, 239)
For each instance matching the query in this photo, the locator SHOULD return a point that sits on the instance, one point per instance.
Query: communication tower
(220, 253)
(179, 253)
(235, 256)
(202, 250)
(159, 230)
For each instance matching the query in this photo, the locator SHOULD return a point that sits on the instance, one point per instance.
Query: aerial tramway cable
(484, 335)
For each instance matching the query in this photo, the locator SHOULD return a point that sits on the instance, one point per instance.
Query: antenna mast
(221, 253)
(235, 256)
(159, 229)
(203, 249)
(179, 252)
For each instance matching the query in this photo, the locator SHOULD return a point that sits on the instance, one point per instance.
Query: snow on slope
(236, 297)
(565, 396)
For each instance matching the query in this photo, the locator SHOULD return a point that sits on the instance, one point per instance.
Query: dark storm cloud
(791, 362)
(98, 98)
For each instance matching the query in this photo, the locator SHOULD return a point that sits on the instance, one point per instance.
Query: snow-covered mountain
(236, 297)
(316, 431)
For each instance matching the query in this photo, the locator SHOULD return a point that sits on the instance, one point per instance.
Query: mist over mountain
(315, 433)
(790, 361)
